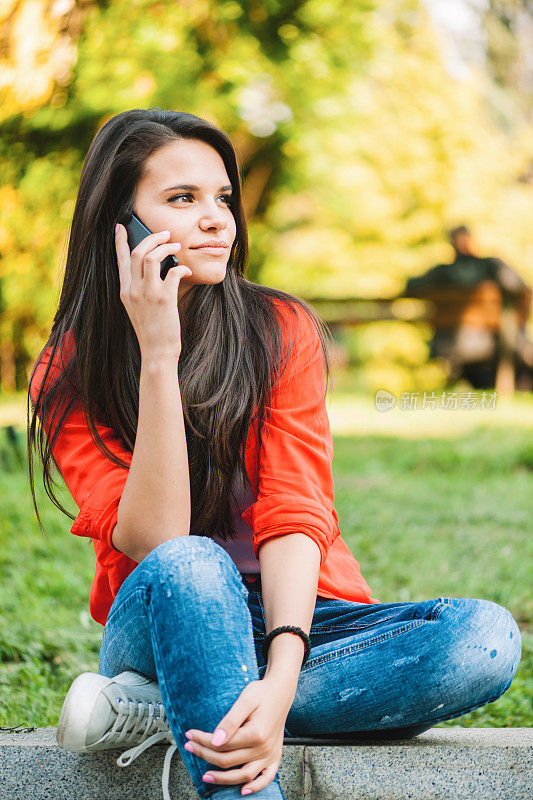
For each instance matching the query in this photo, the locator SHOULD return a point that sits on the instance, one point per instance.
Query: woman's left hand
(255, 726)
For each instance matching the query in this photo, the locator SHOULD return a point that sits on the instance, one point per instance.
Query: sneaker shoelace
(122, 733)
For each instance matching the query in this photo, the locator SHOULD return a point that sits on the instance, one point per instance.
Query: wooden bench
(447, 308)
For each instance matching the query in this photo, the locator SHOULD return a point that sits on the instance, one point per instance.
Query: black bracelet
(291, 629)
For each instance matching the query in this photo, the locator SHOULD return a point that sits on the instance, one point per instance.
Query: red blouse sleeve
(295, 488)
(95, 483)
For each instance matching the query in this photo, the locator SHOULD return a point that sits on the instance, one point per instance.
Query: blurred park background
(365, 129)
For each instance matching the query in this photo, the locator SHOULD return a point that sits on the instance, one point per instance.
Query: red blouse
(293, 484)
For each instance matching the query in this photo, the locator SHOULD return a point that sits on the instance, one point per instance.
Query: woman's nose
(213, 215)
(214, 221)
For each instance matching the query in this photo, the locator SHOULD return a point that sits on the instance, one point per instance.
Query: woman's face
(185, 190)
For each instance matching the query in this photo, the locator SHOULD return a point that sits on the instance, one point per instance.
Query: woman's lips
(211, 249)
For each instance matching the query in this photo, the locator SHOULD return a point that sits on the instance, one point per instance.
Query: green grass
(444, 514)
(433, 518)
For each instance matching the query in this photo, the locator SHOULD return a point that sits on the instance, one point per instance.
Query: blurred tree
(357, 148)
(410, 151)
(251, 67)
(508, 26)
(38, 51)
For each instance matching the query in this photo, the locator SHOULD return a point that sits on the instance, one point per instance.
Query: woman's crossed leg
(184, 617)
(396, 669)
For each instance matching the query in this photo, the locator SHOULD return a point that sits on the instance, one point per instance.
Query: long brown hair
(231, 336)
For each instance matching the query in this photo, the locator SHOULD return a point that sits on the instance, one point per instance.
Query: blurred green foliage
(357, 147)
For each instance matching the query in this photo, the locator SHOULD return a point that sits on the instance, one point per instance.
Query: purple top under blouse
(241, 549)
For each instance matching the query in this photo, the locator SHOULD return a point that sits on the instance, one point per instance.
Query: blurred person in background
(476, 349)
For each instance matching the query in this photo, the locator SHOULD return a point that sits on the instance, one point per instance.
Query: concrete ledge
(438, 764)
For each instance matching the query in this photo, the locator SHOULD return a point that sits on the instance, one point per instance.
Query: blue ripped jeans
(187, 618)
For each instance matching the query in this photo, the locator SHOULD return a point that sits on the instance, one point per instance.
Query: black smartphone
(137, 232)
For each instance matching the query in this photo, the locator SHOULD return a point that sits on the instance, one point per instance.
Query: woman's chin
(214, 274)
(202, 277)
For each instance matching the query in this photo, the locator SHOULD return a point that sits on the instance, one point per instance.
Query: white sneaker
(102, 713)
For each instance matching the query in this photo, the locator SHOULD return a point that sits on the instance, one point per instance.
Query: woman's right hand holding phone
(151, 303)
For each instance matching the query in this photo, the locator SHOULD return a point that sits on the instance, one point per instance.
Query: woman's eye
(227, 197)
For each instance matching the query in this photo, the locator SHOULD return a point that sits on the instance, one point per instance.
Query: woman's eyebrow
(192, 188)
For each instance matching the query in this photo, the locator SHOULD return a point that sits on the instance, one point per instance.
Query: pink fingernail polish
(188, 734)
(116, 227)
(246, 791)
(208, 778)
(218, 737)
